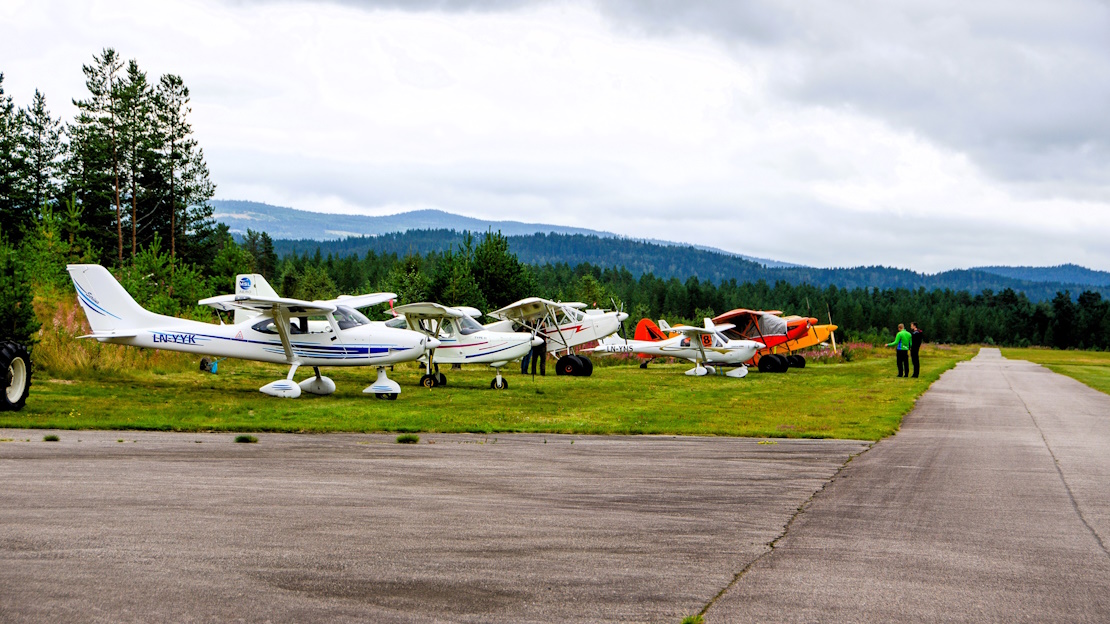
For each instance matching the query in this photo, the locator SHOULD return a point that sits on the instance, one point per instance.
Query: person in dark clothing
(524, 362)
(901, 346)
(539, 354)
(916, 338)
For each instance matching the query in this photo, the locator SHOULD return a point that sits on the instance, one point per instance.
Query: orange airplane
(782, 334)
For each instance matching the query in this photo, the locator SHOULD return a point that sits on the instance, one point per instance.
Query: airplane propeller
(620, 311)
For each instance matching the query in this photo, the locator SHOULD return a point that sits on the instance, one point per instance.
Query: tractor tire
(15, 373)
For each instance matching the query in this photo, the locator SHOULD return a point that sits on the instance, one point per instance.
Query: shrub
(50, 438)
(246, 439)
(408, 438)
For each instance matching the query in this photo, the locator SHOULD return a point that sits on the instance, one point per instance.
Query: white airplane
(461, 340)
(704, 346)
(267, 328)
(563, 326)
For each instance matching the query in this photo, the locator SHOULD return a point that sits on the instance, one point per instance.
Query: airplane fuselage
(357, 346)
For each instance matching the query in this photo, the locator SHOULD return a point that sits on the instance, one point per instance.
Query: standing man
(539, 356)
(901, 346)
(916, 338)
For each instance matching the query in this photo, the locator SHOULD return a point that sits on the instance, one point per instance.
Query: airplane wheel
(206, 365)
(441, 379)
(766, 364)
(587, 366)
(782, 364)
(494, 385)
(388, 396)
(15, 374)
(797, 361)
(567, 365)
(429, 381)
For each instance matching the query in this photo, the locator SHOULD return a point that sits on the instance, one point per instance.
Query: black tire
(643, 364)
(766, 363)
(587, 366)
(568, 365)
(429, 381)
(15, 373)
(205, 365)
(783, 363)
(390, 396)
(494, 386)
(797, 361)
(441, 379)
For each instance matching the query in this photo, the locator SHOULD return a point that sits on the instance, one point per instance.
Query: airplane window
(349, 317)
(467, 325)
(265, 327)
(397, 323)
(685, 342)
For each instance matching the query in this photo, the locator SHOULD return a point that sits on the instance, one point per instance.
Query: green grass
(1088, 367)
(861, 399)
(245, 439)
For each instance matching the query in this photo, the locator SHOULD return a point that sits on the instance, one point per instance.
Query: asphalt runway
(992, 504)
(194, 527)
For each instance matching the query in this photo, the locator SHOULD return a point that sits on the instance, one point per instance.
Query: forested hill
(1064, 273)
(665, 262)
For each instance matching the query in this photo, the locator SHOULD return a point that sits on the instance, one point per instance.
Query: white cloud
(910, 135)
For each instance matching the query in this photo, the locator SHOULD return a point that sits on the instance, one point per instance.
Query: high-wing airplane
(461, 340)
(267, 328)
(705, 346)
(782, 334)
(563, 326)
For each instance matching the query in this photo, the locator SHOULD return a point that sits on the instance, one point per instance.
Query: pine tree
(136, 140)
(94, 163)
(12, 219)
(40, 154)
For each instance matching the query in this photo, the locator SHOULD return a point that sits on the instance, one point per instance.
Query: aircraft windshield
(397, 323)
(467, 325)
(347, 318)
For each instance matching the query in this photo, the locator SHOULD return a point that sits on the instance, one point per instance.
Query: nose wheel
(499, 382)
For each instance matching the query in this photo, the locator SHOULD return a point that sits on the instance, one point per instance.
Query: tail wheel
(15, 373)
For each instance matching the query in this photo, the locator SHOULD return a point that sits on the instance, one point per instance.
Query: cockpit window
(467, 325)
(347, 318)
(265, 327)
(397, 322)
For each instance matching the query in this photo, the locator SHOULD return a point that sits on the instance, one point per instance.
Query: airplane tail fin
(647, 330)
(251, 284)
(107, 305)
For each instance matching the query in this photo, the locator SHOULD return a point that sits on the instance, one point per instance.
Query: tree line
(125, 172)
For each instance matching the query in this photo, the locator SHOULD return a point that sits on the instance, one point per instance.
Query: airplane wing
(426, 310)
(293, 307)
(524, 310)
(363, 301)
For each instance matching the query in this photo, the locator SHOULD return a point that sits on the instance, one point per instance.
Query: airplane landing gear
(499, 382)
(698, 371)
(15, 376)
(318, 385)
(430, 381)
(737, 373)
(383, 387)
(574, 365)
(285, 388)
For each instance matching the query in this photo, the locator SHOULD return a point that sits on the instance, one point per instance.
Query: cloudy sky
(921, 134)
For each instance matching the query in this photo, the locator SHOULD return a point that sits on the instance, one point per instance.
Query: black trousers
(916, 361)
(903, 362)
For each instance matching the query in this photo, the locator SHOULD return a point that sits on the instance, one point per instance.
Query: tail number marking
(190, 339)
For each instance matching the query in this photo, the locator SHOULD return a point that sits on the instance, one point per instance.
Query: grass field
(1089, 367)
(861, 399)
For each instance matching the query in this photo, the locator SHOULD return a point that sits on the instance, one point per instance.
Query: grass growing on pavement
(1088, 367)
(861, 399)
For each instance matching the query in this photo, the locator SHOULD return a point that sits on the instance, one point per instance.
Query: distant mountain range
(290, 223)
(431, 230)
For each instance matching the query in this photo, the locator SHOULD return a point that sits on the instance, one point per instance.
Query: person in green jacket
(901, 346)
